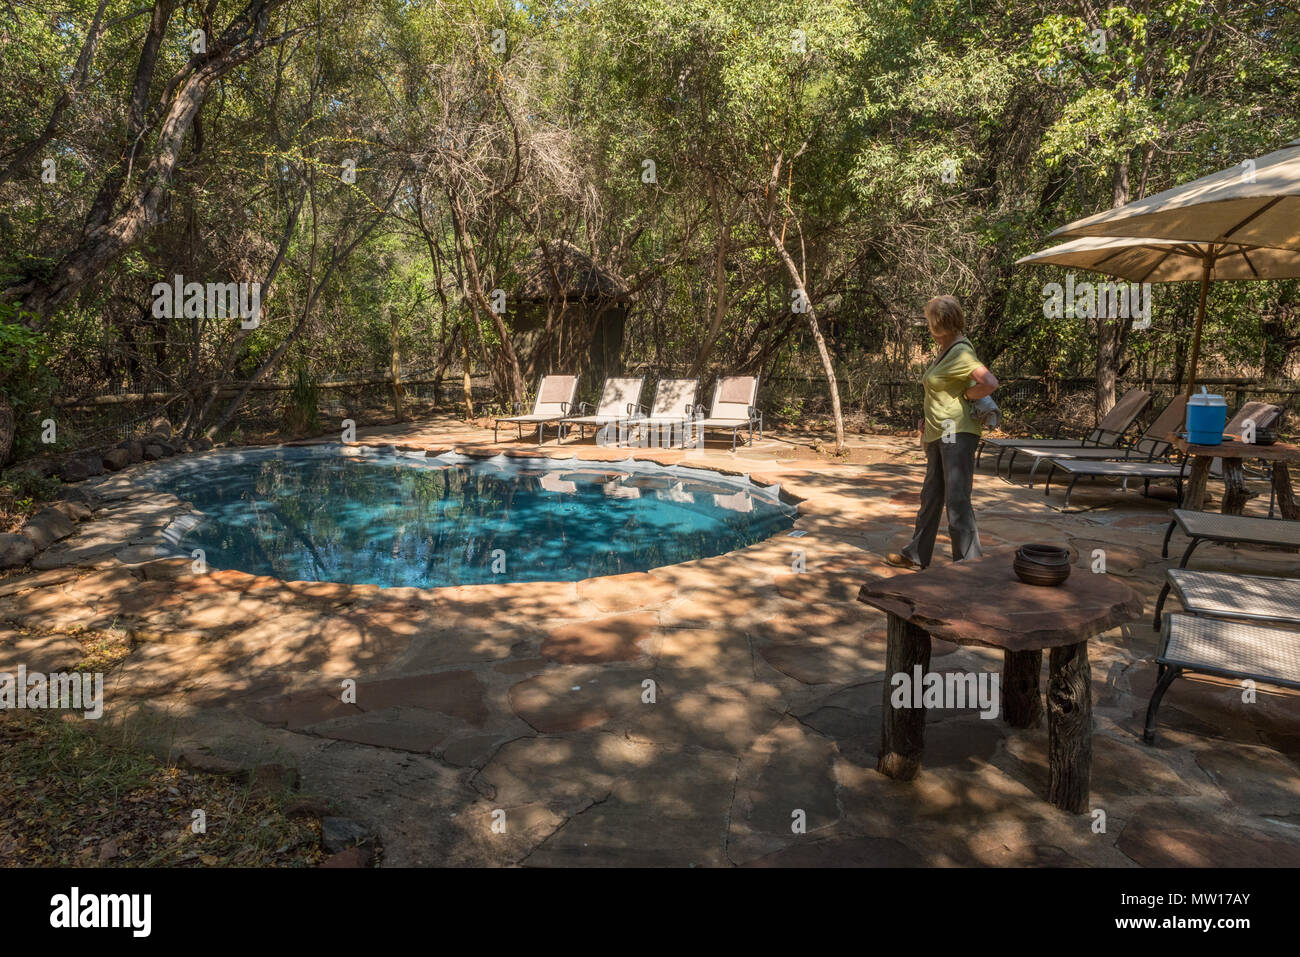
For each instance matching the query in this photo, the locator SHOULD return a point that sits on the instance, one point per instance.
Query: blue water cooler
(1207, 414)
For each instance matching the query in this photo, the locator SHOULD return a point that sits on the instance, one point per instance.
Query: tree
(112, 225)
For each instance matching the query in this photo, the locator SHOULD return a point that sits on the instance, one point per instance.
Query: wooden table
(981, 602)
(1232, 453)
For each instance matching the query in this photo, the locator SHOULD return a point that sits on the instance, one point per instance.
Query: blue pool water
(389, 518)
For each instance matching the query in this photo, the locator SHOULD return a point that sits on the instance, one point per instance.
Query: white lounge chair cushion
(672, 396)
(617, 395)
(555, 389)
(733, 397)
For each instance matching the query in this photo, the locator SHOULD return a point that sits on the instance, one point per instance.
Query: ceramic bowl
(1045, 565)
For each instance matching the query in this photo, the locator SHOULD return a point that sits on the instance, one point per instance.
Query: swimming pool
(392, 518)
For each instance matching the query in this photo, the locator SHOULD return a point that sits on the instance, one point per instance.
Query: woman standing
(950, 436)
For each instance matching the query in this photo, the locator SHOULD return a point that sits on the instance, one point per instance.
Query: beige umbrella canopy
(1256, 203)
(1239, 223)
(1168, 260)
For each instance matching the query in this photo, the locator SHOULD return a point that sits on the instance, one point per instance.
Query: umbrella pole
(1207, 265)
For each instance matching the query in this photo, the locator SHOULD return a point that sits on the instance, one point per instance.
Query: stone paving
(532, 700)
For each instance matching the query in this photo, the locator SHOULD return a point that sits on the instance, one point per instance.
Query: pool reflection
(313, 514)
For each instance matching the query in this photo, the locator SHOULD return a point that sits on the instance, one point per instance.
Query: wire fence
(899, 401)
(129, 410)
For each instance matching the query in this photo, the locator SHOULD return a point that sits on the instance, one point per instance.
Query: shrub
(300, 414)
(26, 385)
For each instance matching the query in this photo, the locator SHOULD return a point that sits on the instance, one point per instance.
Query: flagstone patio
(684, 716)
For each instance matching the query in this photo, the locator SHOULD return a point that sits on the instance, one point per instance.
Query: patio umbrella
(1167, 260)
(1239, 223)
(1256, 203)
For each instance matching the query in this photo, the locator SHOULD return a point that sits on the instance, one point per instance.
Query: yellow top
(944, 382)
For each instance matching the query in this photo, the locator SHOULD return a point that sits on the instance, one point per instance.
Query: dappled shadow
(719, 712)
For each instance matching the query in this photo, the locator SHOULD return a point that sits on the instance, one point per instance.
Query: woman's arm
(985, 384)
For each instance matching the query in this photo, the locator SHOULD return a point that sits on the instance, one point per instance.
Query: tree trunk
(478, 301)
(1105, 366)
(827, 365)
(396, 365)
(1111, 333)
(1180, 348)
(466, 380)
(8, 430)
(719, 285)
(137, 117)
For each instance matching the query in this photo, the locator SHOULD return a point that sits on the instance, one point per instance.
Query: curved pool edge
(156, 555)
(764, 483)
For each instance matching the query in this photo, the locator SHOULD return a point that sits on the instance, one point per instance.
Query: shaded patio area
(687, 716)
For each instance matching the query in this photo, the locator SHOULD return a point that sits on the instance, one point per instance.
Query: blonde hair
(945, 315)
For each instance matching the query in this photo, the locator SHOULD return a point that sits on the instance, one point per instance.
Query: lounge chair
(1261, 413)
(1228, 649)
(554, 399)
(672, 407)
(1123, 470)
(619, 400)
(1224, 595)
(1107, 434)
(1237, 529)
(734, 399)
(1234, 529)
(1151, 445)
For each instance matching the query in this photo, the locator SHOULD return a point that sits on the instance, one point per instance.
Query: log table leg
(1234, 488)
(902, 730)
(1069, 727)
(1194, 490)
(1282, 490)
(1022, 705)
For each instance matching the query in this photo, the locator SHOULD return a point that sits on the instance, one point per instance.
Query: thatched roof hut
(570, 314)
(561, 271)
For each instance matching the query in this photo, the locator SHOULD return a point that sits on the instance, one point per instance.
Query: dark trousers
(949, 473)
